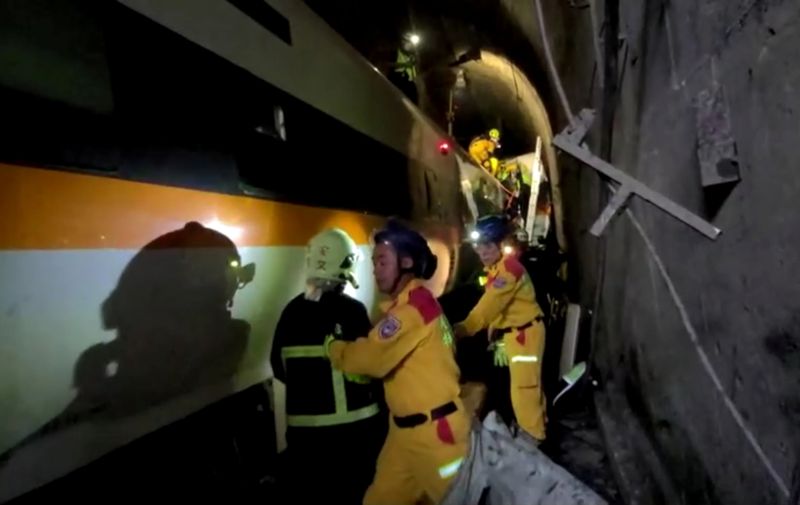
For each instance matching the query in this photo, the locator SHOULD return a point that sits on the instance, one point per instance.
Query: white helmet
(331, 255)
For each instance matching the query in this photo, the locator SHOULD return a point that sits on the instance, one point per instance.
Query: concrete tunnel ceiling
(506, 86)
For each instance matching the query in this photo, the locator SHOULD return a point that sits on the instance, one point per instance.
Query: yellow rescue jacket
(509, 300)
(407, 349)
(481, 150)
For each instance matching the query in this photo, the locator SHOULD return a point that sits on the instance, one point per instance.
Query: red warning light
(444, 147)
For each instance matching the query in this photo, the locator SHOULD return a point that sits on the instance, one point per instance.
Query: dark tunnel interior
(690, 339)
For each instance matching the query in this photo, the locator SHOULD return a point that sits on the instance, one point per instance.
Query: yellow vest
(509, 300)
(408, 349)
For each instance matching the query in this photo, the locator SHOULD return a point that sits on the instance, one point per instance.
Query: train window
(55, 87)
(217, 126)
(96, 85)
(311, 158)
(180, 108)
(325, 162)
(53, 49)
(214, 125)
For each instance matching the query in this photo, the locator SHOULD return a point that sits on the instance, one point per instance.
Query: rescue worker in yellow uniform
(482, 148)
(516, 178)
(335, 427)
(509, 311)
(411, 350)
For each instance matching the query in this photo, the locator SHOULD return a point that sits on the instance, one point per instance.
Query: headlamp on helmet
(490, 229)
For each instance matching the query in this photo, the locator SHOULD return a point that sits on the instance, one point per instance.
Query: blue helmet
(492, 228)
(408, 243)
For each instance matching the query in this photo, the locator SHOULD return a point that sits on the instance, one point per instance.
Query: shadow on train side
(174, 335)
(174, 328)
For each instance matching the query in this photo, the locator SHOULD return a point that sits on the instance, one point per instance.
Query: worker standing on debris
(508, 309)
(334, 429)
(411, 350)
(482, 149)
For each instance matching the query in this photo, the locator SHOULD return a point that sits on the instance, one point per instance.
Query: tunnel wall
(737, 295)
(697, 343)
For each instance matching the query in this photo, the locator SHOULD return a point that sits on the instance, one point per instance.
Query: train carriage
(162, 165)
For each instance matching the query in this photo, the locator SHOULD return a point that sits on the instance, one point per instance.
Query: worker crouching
(482, 151)
(509, 311)
(410, 349)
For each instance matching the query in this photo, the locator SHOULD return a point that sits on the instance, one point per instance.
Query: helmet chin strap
(400, 273)
(313, 293)
(315, 288)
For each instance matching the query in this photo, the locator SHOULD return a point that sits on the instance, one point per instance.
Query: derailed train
(162, 165)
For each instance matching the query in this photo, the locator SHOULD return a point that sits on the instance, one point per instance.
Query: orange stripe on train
(50, 209)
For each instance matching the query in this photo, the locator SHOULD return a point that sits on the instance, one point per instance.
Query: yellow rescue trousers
(525, 349)
(418, 463)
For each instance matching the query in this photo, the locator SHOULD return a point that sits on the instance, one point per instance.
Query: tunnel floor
(574, 439)
(576, 443)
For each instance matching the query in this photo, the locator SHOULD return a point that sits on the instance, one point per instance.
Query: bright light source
(414, 39)
(444, 147)
(232, 232)
(508, 249)
(234, 264)
(475, 235)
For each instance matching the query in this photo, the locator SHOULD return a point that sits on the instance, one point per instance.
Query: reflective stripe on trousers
(342, 415)
(450, 469)
(525, 359)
